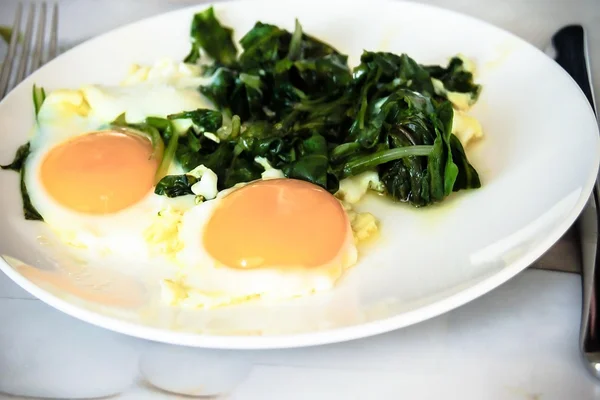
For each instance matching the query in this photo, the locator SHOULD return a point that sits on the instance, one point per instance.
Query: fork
(19, 64)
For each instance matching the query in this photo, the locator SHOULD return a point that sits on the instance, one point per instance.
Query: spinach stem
(344, 150)
(168, 155)
(364, 163)
(39, 95)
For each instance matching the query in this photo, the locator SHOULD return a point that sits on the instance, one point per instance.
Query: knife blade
(571, 53)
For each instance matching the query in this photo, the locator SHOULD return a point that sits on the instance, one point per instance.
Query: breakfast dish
(288, 183)
(241, 171)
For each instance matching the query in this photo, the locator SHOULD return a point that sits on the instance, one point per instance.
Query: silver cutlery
(570, 51)
(34, 48)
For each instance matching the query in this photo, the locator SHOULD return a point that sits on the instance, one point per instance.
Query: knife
(570, 47)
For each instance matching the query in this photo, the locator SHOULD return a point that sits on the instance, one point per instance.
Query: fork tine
(52, 51)
(39, 42)
(27, 39)
(12, 48)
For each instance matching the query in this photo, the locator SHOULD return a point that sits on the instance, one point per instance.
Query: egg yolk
(100, 172)
(276, 223)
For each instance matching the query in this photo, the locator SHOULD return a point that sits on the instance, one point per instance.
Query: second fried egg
(275, 238)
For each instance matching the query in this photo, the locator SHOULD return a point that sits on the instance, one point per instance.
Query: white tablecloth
(518, 342)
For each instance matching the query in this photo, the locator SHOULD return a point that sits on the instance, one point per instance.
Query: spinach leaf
(240, 170)
(275, 71)
(29, 211)
(320, 76)
(377, 77)
(175, 185)
(386, 72)
(208, 34)
(407, 138)
(236, 93)
(39, 95)
(219, 161)
(18, 165)
(170, 135)
(295, 48)
(19, 160)
(467, 177)
(312, 163)
(263, 45)
(220, 91)
(204, 120)
(455, 77)
(193, 146)
(422, 181)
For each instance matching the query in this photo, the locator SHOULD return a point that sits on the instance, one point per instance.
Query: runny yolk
(100, 172)
(276, 223)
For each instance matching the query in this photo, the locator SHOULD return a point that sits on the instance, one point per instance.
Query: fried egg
(92, 184)
(274, 238)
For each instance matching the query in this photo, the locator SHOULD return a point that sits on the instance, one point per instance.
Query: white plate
(538, 163)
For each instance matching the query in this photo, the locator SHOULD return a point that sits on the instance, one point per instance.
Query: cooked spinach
(204, 120)
(29, 211)
(39, 95)
(175, 185)
(293, 100)
(274, 71)
(18, 165)
(19, 160)
(208, 34)
(312, 163)
(455, 79)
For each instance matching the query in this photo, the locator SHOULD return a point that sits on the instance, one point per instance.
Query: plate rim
(316, 337)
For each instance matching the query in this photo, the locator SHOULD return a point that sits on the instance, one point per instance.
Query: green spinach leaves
(293, 100)
(18, 165)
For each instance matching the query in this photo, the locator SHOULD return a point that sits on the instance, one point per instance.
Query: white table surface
(517, 342)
